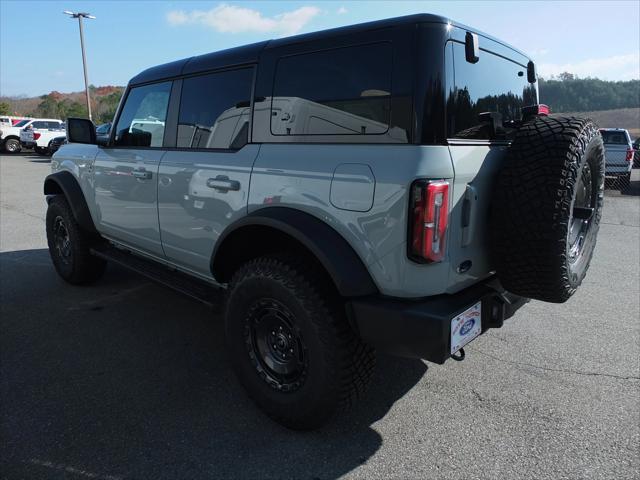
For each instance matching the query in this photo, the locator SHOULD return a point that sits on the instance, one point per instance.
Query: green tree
(48, 107)
(5, 108)
(106, 108)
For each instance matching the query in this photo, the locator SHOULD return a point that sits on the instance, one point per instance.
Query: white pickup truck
(10, 135)
(39, 133)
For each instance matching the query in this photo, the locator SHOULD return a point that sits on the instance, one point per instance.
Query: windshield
(21, 123)
(617, 138)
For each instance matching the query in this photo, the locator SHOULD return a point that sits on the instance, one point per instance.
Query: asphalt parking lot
(127, 379)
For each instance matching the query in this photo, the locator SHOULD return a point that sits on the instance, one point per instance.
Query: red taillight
(429, 219)
(36, 135)
(629, 155)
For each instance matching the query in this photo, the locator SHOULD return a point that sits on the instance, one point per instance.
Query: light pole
(80, 16)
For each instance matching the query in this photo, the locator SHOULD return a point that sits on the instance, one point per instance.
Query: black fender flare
(66, 184)
(342, 263)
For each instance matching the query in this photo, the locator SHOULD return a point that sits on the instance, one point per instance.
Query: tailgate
(26, 135)
(616, 155)
(476, 168)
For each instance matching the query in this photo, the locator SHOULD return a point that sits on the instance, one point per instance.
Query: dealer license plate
(465, 327)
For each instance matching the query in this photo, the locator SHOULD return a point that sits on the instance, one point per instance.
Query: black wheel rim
(61, 240)
(582, 213)
(275, 345)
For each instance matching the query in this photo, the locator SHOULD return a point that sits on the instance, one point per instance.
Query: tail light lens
(629, 155)
(429, 217)
(36, 135)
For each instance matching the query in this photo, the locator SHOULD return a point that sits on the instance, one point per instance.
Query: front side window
(39, 124)
(493, 84)
(215, 110)
(143, 117)
(343, 91)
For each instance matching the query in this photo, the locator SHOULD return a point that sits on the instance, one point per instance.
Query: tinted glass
(493, 84)
(617, 138)
(21, 123)
(39, 124)
(142, 121)
(215, 110)
(344, 91)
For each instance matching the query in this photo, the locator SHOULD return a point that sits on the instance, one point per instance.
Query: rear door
(126, 172)
(203, 183)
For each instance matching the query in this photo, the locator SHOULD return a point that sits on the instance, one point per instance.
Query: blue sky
(40, 49)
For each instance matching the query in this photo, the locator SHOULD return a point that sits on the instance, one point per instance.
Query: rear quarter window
(344, 92)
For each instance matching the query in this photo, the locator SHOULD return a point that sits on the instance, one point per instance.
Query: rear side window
(39, 124)
(142, 121)
(493, 84)
(616, 138)
(344, 91)
(215, 110)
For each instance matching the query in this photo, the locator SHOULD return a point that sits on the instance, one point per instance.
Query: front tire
(41, 150)
(290, 343)
(12, 145)
(69, 245)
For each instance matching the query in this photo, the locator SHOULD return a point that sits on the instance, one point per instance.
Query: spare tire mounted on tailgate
(547, 206)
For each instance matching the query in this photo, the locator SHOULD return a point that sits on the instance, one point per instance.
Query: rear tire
(624, 181)
(547, 206)
(290, 343)
(12, 145)
(69, 245)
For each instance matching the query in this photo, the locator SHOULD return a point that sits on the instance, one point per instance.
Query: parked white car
(39, 133)
(10, 135)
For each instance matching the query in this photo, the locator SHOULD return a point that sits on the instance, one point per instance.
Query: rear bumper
(28, 144)
(617, 170)
(422, 328)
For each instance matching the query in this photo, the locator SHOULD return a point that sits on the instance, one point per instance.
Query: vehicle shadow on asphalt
(632, 189)
(126, 379)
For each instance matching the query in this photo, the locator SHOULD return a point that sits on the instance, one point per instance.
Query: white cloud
(231, 19)
(342, 11)
(617, 67)
(538, 52)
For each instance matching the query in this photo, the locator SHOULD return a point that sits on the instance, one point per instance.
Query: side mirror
(81, 130)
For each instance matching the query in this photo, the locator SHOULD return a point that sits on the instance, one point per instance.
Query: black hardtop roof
(249, 53)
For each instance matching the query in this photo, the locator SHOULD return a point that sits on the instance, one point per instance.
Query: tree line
(55, 105)
(568, 93)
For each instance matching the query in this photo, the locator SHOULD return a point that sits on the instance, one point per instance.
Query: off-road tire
(76, 265)
(339, 363)
(550, 160)
(12, 145)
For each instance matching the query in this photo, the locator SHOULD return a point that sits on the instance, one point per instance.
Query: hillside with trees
(568, 93)
(104, 101)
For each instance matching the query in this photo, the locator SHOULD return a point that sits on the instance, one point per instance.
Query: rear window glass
(21, 123)
(618, 138)
(493, 84)
(344, 91)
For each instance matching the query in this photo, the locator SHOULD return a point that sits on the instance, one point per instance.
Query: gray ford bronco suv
(393, 185)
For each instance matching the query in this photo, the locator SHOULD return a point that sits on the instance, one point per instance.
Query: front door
(203, 184)
(126, 172)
